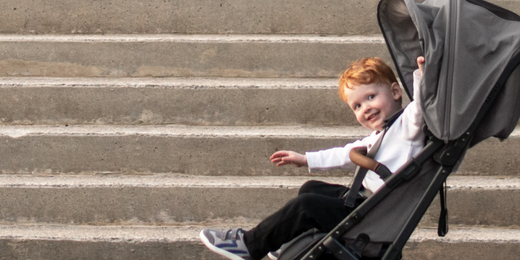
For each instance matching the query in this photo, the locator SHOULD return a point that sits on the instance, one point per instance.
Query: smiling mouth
(372, 116)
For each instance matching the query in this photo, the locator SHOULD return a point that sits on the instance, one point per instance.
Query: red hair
(365, 71)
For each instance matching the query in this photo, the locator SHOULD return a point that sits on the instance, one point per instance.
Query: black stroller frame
(440, 155)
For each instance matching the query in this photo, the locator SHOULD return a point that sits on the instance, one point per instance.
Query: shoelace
(233, 234)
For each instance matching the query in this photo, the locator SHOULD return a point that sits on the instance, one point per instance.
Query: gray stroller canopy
(467, 45)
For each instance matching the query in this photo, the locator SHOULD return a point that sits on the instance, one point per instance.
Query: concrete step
(331, 17)
(188, 17)
(137, 242)
(169, 199)
(159, 101)
(262, 56)
(192, 101)
(463, 243)
(200, 150)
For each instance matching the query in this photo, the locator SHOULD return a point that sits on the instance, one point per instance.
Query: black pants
(318, 205)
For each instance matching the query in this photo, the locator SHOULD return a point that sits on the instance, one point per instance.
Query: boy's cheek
(360, 120)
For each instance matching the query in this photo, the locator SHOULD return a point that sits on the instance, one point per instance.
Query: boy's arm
(412, 114)
(288, 157)
(337, 157)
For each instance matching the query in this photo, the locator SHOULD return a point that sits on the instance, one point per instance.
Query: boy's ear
(396, 91)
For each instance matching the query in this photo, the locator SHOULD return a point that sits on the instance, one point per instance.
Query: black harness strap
(442, 229)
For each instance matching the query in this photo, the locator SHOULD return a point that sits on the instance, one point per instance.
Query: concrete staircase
(127, 126)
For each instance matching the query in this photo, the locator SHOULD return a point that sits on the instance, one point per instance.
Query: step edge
(172, 180)
(197, 83)
(136, 234)
(187, 131)
(196, 38)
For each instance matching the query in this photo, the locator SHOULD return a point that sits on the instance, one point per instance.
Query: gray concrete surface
(90, 242)
(193, 101)
(156, 149)
(199, 150)
(67, 242)
(137, 205)
(460, 251)
(333, 17)
(183, 56)
(159, 101)
(179, 200)
(463, 243)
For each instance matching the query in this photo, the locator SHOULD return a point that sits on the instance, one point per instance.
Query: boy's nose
(366, 108)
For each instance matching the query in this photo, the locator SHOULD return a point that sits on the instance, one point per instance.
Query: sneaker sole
(217, 250)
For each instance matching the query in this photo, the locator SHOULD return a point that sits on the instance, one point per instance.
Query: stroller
(471, 76)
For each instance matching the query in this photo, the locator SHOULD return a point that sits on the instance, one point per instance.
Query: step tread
(201, 38)
(170, 83)
(137, 234)
(468, 234)
(185, 131)
(184, 55)
(190, 181)
(193, 131)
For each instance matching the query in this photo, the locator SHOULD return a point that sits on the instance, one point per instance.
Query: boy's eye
(371, 97)
(356, 106)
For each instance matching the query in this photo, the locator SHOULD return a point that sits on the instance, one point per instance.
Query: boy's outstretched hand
(289, 157)
(420, 63)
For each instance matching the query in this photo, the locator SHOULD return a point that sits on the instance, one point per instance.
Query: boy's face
(373, 103)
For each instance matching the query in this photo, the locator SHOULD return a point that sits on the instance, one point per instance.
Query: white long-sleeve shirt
(403, 140)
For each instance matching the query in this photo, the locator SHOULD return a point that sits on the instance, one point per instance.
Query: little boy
(370, 89)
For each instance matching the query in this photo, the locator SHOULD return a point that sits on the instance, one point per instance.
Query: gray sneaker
(228, 243)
